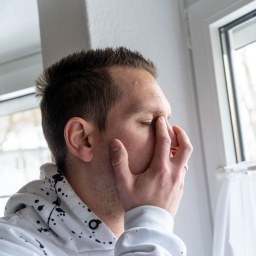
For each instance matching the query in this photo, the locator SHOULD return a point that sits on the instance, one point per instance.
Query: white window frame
(15, 104)
(18, 74)
(205, 19)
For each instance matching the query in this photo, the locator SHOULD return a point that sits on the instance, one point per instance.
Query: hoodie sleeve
(8, 248)
(149, 231)
(15, 240)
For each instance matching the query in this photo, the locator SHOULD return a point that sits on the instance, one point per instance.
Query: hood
(53, 208)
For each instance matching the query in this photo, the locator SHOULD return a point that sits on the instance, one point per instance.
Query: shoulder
(19, 237)
(14, 237)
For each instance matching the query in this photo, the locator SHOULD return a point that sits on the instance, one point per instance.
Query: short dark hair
(80, 85)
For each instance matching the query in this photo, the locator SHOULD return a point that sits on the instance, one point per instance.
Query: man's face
(132, 119)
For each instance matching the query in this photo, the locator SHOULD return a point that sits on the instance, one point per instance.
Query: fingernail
(115, 146)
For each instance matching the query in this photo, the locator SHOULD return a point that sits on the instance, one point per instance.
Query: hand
(162, 183)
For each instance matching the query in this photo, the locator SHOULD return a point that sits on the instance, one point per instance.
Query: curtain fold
(235, 216)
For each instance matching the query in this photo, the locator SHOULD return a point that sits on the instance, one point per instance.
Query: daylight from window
(22, 150)
(238, 40)
(245, 76)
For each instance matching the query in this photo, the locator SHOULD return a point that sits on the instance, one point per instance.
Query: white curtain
(235, 218)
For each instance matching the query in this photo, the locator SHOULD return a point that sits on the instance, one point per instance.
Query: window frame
(226, 35)
(18, 103)
(15, 102)
(205, 18)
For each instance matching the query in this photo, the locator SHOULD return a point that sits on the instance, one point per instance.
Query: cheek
(140, 152)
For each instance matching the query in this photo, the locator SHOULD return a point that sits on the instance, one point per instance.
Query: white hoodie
(46, 217)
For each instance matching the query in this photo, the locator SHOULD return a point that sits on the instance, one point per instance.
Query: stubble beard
(105, 190)
(109, 204)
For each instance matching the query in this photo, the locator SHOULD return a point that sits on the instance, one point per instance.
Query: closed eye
(146, 123)
(150, 123)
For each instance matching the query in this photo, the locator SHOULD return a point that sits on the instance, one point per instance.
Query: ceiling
(19, 29)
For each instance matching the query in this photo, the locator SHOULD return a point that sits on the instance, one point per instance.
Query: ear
(78, 136)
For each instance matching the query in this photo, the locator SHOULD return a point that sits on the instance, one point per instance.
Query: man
(120, 167)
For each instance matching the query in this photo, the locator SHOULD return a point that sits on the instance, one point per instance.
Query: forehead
(140, 91)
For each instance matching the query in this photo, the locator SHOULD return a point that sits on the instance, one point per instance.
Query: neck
(101, 196)
(116, 225)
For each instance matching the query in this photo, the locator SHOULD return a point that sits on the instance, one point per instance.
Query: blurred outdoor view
(22, 151)
(245, 76)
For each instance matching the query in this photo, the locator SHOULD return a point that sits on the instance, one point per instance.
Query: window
(239, 55)
(205, 19)
(22, 145)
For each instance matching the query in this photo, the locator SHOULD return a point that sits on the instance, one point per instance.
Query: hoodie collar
(57, 212)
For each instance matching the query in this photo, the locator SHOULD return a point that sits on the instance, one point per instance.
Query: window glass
(22, 150)
(245, 76)
(22, 146)
(239, 55)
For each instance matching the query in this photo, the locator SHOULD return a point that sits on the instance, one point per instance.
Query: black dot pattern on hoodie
(55, 190)
(57, 208)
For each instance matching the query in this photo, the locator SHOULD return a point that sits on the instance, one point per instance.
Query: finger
(185, 147)
(163, 142)
(119, 160)
(174, 143)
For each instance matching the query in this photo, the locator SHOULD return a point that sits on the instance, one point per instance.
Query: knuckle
(165, 140)
(175, 177)
(163, 172)
(118, 158)
(189, 148)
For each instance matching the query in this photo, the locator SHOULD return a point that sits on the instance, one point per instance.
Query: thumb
(120, 163)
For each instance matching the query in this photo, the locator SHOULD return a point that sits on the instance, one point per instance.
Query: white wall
(156, 29)
(63, 28)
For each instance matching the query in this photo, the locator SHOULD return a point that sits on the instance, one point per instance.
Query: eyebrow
(135, 109)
